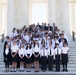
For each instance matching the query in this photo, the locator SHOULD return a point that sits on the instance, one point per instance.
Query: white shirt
(26, 37)
(14, 34)
(14, 48)
(36, 49)
(65, 50)
(53, 42)
(21, 51)
(39, 41)
(42, 52)
(7, 51)
(60, 44)
(28, 51)
(52, 51)
(59, 51)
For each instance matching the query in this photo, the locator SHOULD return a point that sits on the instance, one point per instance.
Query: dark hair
(35, 43)
(27, 46)
(42, 41)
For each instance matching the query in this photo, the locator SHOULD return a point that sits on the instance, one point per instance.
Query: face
(14, 43)
(62, 36)
(28, 45)
(36, 42)
(22, 45)
(53, 24)
(50, 45)
(62, 40)
(57, 46)
(7, 46)
(65, 45)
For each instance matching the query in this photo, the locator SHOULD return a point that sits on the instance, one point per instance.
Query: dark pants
(6, 64)
(50, 62)
(57, 62)
(43, 63)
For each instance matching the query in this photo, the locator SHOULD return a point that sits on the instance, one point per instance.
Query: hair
(42, 41)
(27, 46)
(35, 43)
(64, 44)
(21, 44)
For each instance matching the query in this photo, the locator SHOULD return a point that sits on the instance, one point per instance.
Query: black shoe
(28, 71)
(36, 71)
(63, 70)
(50, 69)
(66, 70)
(22, 70)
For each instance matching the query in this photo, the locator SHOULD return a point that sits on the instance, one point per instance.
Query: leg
(15, 66)
(37, 65)
(66, 67)
(12, 66)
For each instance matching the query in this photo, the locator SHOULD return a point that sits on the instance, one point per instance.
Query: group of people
(40, 46)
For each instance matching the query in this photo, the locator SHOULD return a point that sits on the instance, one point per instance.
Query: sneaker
(15, 70)
(12, 70)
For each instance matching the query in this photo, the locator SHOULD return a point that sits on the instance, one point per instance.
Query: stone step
(40, 73)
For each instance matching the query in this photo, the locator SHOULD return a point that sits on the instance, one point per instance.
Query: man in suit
(49, 27)
(54, 28)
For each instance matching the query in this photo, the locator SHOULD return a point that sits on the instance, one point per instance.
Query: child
(21, 57)
(28, 57)
(43, 58)
(6, 55)
(36, 53)
(65, 50)
(57, 57)
(50, 57)
(14, 52)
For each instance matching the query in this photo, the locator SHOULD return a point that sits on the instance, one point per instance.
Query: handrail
(73, 35)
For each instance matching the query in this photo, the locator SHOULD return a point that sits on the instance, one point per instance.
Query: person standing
(21, 57)
(43, 58)
(36, 53)
(65, 51)
(57, 57)
(6, 55)
(14, 54)
(50, 57)
(28, 57)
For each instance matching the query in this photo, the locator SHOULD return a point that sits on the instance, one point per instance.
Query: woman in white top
(14, 52)
(21, 53)
(36, 52)
(28, 56)
(65, 50)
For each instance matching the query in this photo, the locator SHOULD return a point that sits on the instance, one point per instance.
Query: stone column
(1, 20)
(10, 17)
(18, 14)
(65, 17)
(21, 13)
(52, 11)
(72, 16)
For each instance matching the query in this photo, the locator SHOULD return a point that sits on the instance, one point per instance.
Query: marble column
(72, 16)
(10, 17)
(18, 14)
(65, 17)
(1, 15)
(21, 13)
(52, 11)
